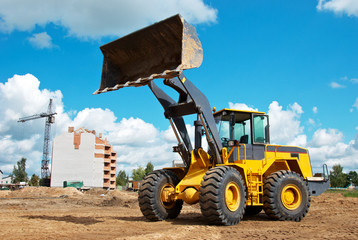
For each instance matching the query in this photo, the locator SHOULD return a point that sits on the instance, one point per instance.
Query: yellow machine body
(253, 171)
(233, 176)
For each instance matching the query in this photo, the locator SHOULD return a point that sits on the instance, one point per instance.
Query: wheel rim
(232, 196)
(291, 197)
(167, 187)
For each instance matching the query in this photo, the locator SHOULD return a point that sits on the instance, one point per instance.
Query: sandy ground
(45, 213)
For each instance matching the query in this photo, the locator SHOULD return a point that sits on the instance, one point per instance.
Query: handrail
(238, 148)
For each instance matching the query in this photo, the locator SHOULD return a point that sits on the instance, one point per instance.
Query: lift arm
(191, 101)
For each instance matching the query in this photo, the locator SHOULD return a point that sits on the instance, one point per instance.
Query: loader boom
(191, 101)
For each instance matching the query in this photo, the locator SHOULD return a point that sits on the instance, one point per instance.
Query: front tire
(223, 196)
(286, 196)
(150, 196)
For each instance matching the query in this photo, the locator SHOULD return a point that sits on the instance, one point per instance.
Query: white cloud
(340, 153)
(336, 85)
(136, 141)
(285, 124)
(92, 18)
(356, 104)
(354, 80)
(41, 40)
(21, 96)
(349, 7)
(324, 137)
(311, 122)
(315, 109)
(241, 106)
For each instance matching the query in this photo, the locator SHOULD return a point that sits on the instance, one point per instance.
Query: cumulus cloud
(349, 7)
(340, 153)
(355, 105)
(285, 125)
(336, 85)
(21, 96)
(311, 121)
(315, 109)
(92, 18)
(41, 40)
(241, 106)
(326, 146)
(324, 137)
(136, 141)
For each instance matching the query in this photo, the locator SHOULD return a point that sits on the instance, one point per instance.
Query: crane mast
(50, 119)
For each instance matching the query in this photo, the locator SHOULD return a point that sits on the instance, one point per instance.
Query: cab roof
(235, 111)
(240, 115)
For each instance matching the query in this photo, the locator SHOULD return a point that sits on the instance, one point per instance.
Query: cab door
(260, 135)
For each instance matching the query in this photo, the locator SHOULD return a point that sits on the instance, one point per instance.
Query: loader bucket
(161, 50)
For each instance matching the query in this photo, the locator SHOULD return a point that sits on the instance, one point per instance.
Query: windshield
(229, 130)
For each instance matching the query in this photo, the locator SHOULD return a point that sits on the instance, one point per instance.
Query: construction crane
(50, 119)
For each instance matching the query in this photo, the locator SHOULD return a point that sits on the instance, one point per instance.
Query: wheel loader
(240, 172)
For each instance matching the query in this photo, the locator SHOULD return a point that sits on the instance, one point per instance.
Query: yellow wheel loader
(240, 172)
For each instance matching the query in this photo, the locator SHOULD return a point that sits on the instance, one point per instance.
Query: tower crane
(50, 119)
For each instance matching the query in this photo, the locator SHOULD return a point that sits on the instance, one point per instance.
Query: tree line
(336, 176)
(137, 174)
(19, 174)
(340, 179)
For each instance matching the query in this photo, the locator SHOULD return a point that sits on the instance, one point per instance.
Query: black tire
(149, 197)
(253, 210)
(214, 204)
(286, 196)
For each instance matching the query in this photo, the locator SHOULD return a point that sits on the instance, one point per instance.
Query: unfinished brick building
(82, 156)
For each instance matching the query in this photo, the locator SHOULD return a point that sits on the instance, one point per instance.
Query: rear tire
(286, 196)
(150, 192)
(222, 196)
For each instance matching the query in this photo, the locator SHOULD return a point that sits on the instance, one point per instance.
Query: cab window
(260, 129)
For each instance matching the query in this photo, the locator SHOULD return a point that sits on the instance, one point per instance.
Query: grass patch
(346, 193)
(351, 194)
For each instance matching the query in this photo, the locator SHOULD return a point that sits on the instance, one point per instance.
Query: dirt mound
(4, 193)
(121, 198)
(96, 191)
(43, 192)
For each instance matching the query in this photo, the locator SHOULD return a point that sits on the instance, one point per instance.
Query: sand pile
(4, 193)
(121, 198)
(43, 192)
(92, 197)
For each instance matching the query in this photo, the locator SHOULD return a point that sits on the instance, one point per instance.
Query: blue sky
(296, 60)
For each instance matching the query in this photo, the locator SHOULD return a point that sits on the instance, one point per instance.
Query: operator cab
(247, 127)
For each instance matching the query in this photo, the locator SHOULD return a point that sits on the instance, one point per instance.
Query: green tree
(122, 178)
(149, 168)
(353, 177)
(138, 174)
(337, 177)
(19, 171)
(34, 181)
